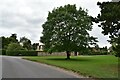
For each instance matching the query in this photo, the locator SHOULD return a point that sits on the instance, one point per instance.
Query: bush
(28, 53)
(117, 54)
(14, 47)
(99, 53)
(95, 53)
(21, 53)
(2, 52)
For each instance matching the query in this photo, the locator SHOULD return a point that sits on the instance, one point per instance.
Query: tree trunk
(75, 53)
(68, 55)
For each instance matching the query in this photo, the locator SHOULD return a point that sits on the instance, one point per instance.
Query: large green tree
(66, 29)
(109, 20)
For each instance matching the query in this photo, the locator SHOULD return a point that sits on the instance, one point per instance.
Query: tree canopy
(26, 43)
(109, 20)
(66, 29)
(34, 46)
(8, 40)
(14, 47)
(13, 38)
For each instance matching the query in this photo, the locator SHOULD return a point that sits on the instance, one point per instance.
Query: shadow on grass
(72, 59)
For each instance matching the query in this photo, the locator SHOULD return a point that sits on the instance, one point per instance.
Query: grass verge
(92, 66)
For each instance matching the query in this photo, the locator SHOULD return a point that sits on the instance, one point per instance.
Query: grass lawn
(94, 66)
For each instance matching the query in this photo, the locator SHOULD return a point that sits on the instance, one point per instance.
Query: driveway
(15, 67)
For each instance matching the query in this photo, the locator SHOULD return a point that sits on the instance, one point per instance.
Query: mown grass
(92, 66)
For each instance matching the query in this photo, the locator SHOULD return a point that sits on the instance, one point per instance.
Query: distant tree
(14, 47)
(26, 43)
(4, 42)
(97, 47)
(34, 46)
(0, 43)
(66, 29)
(13, 38)
(7, 40)
(109, 20)
(105, 48)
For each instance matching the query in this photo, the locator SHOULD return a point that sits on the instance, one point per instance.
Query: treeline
(12, 46)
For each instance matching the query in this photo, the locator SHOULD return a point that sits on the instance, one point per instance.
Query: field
(92, 66)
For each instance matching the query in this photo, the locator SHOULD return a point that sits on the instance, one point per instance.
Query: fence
(40, 53)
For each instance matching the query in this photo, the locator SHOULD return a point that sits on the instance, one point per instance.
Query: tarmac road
(15, 67)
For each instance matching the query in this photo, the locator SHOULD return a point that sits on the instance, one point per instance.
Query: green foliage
(14, 47)
(94, 53)
(13, 38)
(2, 52)
(29, 53)
(110, 22)
(109, 17)
(34, 46)
(66, 29)
(12, 53)
(0, 42)
(21, 53)
(26, 43)
(99, 53)
(50, 51)
(5, 41)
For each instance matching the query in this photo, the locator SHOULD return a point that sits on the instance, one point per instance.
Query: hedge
(2, 52)
(95, 53)
(21, 53)
(99, 53)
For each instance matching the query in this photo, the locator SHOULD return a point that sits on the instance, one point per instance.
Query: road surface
(15, 67)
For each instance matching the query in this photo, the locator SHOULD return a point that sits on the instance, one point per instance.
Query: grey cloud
(25, 17)
(35, 21)
(20, 14)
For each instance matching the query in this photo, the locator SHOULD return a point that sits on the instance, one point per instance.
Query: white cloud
(25, 17)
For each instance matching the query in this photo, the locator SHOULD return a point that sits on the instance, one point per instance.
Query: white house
(40, 47)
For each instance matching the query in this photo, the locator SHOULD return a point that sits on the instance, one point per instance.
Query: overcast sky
(25, 17)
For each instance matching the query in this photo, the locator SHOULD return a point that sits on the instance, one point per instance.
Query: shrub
(12, 53)
(2, 52)
(95, 53)
(117, 54)
(28, 53)
(21, 53)
(99, 53)
(14, 47)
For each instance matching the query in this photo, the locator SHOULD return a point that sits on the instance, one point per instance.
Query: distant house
(110, 49)
(40, 47)
(93, 49)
